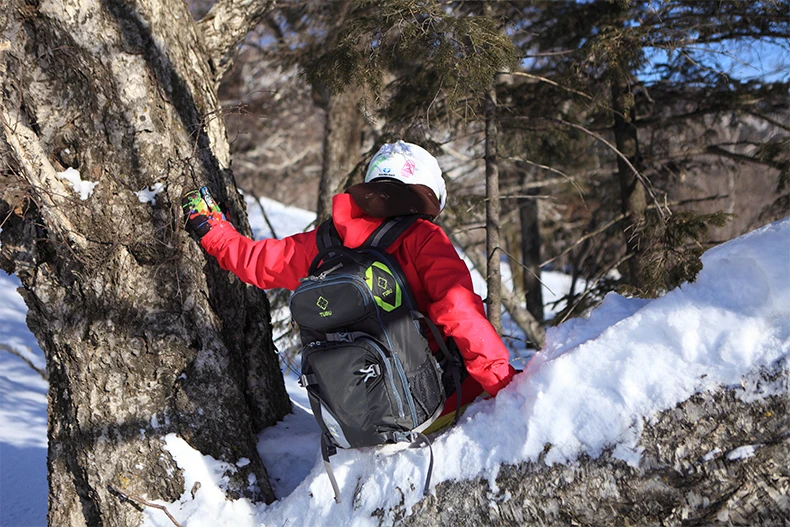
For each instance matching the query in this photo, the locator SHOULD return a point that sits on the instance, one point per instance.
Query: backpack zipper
(322, 275)
(353, 279)
(384, 357)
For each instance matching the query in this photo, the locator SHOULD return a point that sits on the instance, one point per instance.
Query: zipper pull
(323, 274)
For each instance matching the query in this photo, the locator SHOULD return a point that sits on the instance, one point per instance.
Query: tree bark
(342, 146)
(226, 25)
(493, 272)
(691, 473)
(143, 335)
(632, 192)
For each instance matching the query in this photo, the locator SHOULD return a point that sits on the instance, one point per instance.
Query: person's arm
(459, 313)
(265, 263)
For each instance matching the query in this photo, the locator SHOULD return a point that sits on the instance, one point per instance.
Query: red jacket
(440, 282)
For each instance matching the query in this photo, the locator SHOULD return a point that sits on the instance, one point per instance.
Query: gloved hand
(201, 212)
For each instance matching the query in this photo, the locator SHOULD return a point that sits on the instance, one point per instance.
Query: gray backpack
(370, 375)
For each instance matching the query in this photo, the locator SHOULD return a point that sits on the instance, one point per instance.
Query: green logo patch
(385, 288)
(322, 304)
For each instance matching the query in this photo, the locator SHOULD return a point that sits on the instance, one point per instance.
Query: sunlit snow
(83, 188)
(149, 194)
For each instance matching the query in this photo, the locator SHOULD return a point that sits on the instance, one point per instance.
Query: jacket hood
(351, 222)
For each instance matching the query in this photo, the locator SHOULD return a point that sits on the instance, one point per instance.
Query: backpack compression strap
(390, 230)
(327, 235)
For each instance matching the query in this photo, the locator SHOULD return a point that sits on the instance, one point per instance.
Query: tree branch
(557, 85)
(137, 501)
(39, 173)
(14, 351)
(621, 217)
(641, 177)
(715, 149)
(226, 26)
(768, 119)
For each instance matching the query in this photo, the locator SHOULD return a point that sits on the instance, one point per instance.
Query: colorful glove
(201, 212)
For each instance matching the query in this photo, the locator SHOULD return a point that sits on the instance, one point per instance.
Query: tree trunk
(690, 473)
(632, 192)
(530, 252)
(143, 335)
(512, 301)
(493, 272)
(342, 146)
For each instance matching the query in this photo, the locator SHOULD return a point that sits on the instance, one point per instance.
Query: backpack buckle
(370, 372)
(340, 336)
(307, 380)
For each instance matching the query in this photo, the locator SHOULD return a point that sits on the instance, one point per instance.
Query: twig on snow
(141, 501)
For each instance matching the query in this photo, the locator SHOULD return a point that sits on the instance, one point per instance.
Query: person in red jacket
(402, 178)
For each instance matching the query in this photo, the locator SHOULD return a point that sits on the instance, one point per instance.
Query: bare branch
(137, 500)
(14, 351)
(555, 84)
(520, 316)
(514, 260)
(39, 173)
(263, 212)
(641, 177)
(715, 149)
(768, 119)
(591, 284)
(587, 236)
(562, 174)
(621, 217)
(226, 26)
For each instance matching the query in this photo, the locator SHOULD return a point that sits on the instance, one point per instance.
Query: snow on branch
(226, 25)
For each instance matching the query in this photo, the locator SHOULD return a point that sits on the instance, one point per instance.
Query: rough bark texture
(342, 146)
(632, 193)
(691, 473)
(143, 335)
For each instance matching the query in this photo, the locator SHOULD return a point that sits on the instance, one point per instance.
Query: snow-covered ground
(23, 417)
(590, 388)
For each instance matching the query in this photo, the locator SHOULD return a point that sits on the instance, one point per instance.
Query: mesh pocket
(426, 389)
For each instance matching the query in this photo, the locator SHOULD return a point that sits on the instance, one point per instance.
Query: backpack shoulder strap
(390, 230)
(327, 235)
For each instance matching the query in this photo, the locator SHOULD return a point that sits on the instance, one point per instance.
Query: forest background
(626, 137)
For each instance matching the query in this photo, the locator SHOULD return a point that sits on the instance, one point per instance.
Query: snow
(597, 379)
(83, 188)
(712, 454)
(23, 417)
(149, 193)
(591, 389)
(285, 219)
(742, 452)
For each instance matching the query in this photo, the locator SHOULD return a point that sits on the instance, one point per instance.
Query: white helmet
(410, 164)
